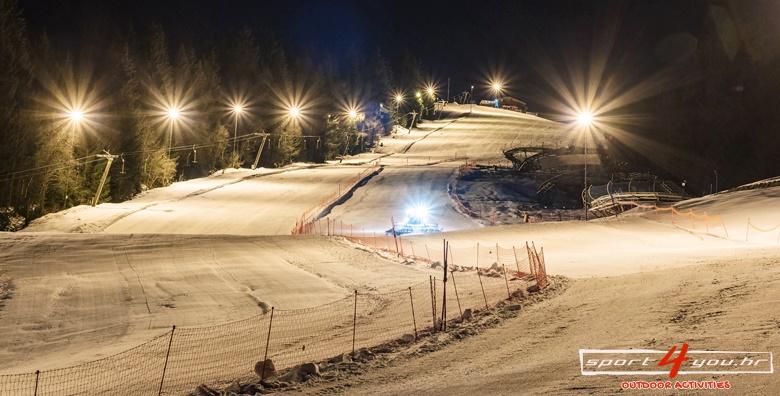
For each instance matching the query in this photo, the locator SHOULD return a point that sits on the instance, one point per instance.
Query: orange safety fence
(697, 222)
(479, 256)
(308, 216)
(691, 221)
(754, 227)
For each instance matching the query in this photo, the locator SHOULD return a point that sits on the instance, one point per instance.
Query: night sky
(464, 41)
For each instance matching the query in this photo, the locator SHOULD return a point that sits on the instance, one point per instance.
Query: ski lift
(194, 155)
(122, 170)
(318, 143)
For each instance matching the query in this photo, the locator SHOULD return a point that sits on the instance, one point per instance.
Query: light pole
(237, 110)
(471, 99)
(497, 87)
(76, 117)
(173, 114)
(398, 99)
(585, 119)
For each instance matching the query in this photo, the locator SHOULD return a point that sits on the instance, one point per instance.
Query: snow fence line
(313, 213)
(180, 359)
(712, 225)
(494, 256)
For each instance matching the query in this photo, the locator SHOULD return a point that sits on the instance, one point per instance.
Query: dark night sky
(461, 40)
(702, 73)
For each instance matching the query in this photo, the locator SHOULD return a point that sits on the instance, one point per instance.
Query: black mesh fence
(180, 359)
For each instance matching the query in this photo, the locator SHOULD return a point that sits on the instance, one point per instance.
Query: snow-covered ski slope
(268, 202)
(423, 162)
(238, 202)
(77, 297)
(92, 281)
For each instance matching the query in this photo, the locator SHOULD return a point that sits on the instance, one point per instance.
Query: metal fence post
(267, 342)
(414, 319)
(354, 325)
(165, 365)
(457, 298)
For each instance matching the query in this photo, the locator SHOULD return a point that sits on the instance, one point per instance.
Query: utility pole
(448, 90)
(259, 151)
(110, 158)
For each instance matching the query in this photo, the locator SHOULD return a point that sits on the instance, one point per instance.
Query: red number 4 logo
(676, 362)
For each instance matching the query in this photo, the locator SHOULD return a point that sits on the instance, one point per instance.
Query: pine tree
(16, 143)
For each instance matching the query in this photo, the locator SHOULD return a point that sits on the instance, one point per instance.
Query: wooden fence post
(37, 375)
(395, 237)
(444, 290)
(457, 297)
(482, 287)
(354, 325)
(165, 365)
(414, 319)
(509, 295)
(267, 342)
(433, 303)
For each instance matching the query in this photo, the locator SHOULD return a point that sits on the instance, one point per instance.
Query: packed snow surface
(88, 282)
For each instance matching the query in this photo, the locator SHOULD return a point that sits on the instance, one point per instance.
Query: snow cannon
(415, 222)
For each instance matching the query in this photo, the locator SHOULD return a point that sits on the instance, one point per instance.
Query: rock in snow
(270, 369)
(301, 373)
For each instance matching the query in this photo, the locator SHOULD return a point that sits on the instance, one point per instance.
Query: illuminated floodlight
(238, 109)
(418, 94)
(173, 113)
(76, 115)
(294, 112)
(352, 113)
(585, 118)
(399, 98)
